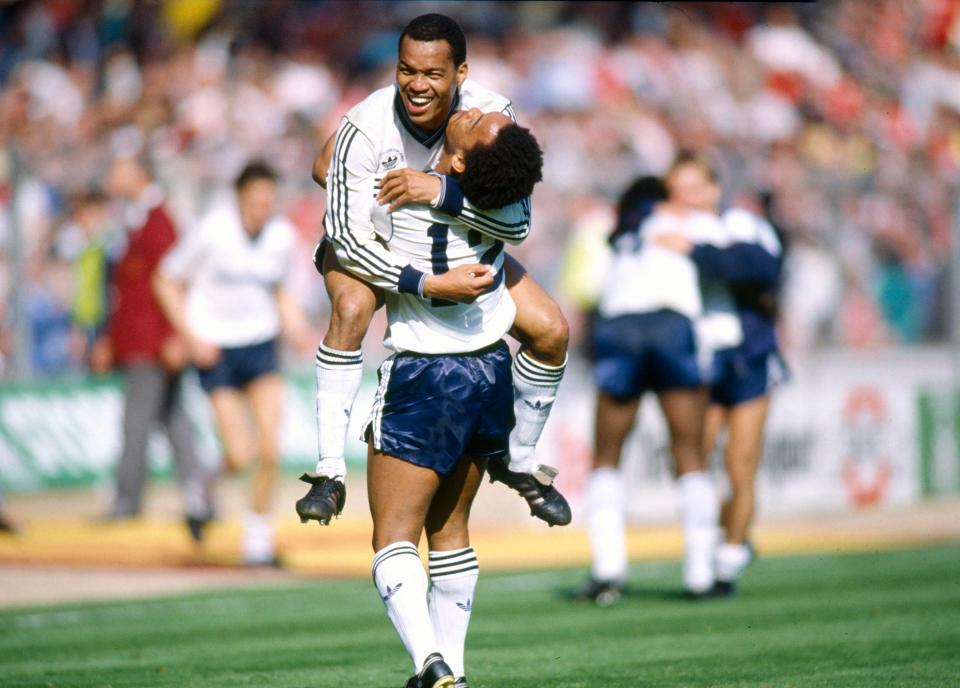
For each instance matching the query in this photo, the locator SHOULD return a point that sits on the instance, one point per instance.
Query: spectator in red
(142, 343)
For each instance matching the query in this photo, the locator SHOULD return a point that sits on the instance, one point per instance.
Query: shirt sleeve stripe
(490, 226)
(494, 222)
(339, 202)
(494, 232)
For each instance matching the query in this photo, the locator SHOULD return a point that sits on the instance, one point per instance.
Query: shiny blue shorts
(646, 352)
(430, 410)
(738, 377)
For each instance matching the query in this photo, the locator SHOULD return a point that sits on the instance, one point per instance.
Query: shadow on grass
(578, 596)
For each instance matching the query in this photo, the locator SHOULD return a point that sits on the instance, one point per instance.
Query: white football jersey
(652, 278)
(433, 243)
(396, 252)
(741, 225)
(376, 136)
(231, 277)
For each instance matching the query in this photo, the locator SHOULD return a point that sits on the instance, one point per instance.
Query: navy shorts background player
(744, 375)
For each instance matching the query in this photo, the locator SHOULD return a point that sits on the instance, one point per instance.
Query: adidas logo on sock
(391, 592)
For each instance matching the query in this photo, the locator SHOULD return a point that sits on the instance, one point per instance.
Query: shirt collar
(423, 138)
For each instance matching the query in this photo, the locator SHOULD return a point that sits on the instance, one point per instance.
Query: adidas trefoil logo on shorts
(466, 606)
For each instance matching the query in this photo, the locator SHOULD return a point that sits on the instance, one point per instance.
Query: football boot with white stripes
(324, 501)
(461, 683)
(544, 500)
(435, 673)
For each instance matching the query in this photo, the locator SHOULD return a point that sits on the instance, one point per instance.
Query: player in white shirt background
(443, 408)
(222, 288)
(397, 127)
(750, 261)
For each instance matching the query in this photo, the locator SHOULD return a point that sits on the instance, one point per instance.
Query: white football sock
(700, 514)
(402, 583)
(339, 374)
(259, 545)
(731, 560)
(606, 507)
(534, 391)
(453, 578)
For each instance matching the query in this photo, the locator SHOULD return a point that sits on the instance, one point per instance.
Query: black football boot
(545, 502)
(434, 674)
(324, 501)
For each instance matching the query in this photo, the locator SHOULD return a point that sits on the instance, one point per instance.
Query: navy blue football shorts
(739, 377)
(430, 410)
(239, 366)
(640, 352)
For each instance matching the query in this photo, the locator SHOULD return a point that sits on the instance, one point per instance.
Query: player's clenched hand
(462, 284)
(400, 187)
(674, 242)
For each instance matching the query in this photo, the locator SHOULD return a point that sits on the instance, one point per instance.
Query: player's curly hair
(502, 172)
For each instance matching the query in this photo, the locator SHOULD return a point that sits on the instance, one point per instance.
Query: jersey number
(438, 256)
(438, 233)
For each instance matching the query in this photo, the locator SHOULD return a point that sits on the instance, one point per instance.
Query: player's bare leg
(685, 411)
(353, 303)
(538, 368)
(713, 423)
(232, 417)
(745, 423)
(453, 563)
(400, 495)
(540, 325)
(606, 500)
(265, 397)
(339, 372)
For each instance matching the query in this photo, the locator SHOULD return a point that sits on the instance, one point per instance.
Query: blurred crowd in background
(840, 120)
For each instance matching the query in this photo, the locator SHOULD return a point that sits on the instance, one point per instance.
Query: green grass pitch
(837, 621)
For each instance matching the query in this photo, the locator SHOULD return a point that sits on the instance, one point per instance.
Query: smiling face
(428, 79)
(466, 129)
